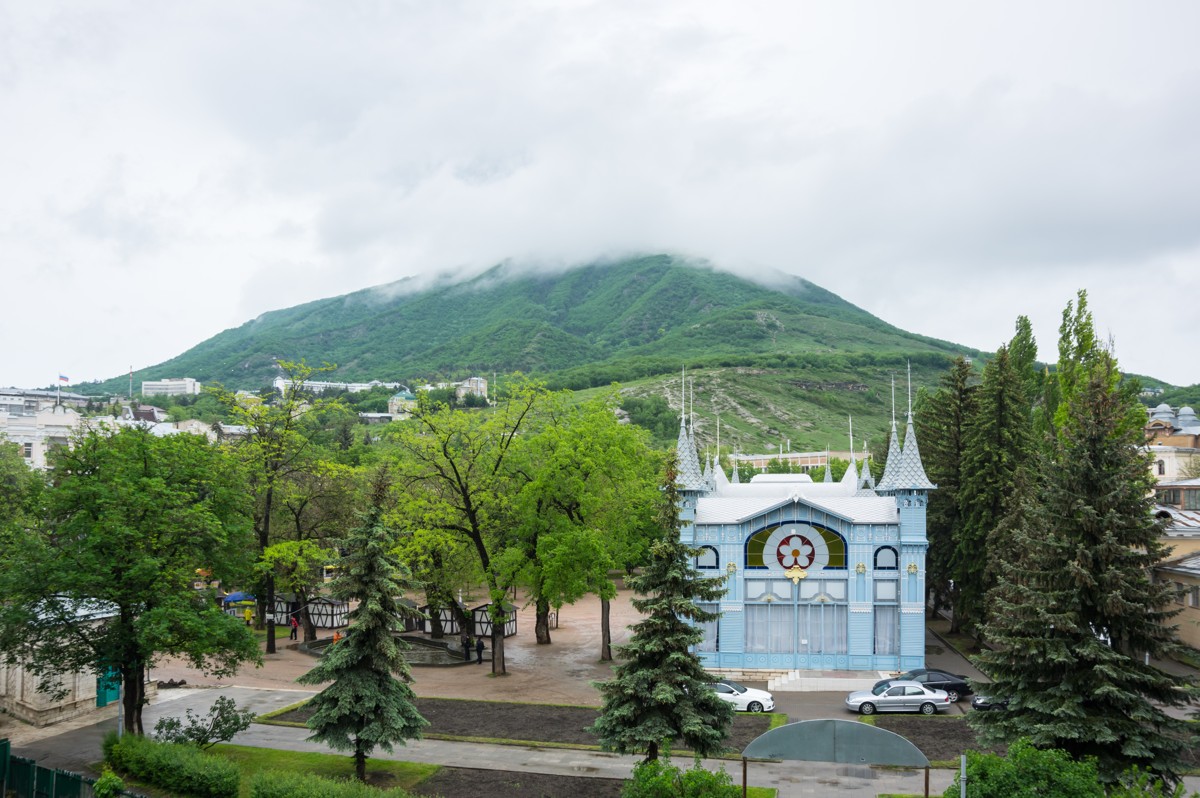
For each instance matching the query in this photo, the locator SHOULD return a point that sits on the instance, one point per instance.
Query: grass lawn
(383, 773)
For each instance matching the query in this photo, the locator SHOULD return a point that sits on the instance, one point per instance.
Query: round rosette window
(796, 545)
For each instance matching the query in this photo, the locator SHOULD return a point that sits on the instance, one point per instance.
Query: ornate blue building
(821, 576)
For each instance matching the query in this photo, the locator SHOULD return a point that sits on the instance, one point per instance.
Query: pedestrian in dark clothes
(466, 644)
(479, 651)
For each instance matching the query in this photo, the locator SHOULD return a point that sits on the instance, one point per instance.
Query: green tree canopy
(105, 585)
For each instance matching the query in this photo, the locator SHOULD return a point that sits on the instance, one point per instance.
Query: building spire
(851, 475)
(690, 475)
(903, 470)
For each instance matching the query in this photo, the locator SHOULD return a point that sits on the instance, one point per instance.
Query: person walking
(295, 624)
(466, 644)
(479, 651)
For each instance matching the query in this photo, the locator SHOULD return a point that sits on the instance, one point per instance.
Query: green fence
(25, 778)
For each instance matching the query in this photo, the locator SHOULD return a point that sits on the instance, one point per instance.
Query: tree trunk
(541, 626)
(605, 630)
(652, 752)
(360, 760)
(498, 620)
(269, 611)
(310, 628)
(131, 699)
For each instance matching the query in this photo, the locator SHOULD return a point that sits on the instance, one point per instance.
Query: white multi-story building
(177, 386)
(36, 432)
(317, 386)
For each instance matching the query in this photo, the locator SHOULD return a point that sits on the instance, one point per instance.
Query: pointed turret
(851, 476)
(828, 468)
(736, 479)
(907, 473)
(891, 469)
(690, 476)
(866, 480)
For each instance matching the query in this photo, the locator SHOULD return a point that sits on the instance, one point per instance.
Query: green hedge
(180, 769)
(287, 784)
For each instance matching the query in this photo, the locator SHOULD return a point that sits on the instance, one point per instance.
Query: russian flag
(63, 378)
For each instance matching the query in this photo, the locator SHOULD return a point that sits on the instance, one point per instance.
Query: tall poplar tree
(1074, 611)
(370, 703)
(660, 692)
(998, 443)
(942, 421)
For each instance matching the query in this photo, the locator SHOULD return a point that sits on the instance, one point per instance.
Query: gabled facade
(820, 576)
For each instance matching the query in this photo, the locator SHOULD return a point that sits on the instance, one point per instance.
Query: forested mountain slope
(613, 320)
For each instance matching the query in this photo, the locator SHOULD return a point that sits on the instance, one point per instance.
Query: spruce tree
(370, 703)
(1074, 610)
(942, 420)
(660, 692)
(997, 444)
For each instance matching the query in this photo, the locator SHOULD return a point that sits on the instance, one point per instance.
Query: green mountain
(782, 362)
(598, 319)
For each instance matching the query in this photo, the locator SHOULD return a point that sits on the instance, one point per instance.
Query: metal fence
(25, 778)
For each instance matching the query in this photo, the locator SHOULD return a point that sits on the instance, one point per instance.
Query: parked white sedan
(745, 699)
(898, 697)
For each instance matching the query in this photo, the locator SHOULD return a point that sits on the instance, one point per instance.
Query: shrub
(109, 785)
(658, 778)
(181, 769)
(287, 784)
(221, 723)
(1028, 772)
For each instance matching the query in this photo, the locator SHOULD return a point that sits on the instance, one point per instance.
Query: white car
(898, 697)
(745, 699)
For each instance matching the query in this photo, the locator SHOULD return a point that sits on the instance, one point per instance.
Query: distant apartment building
(21, 400)
(1174, 442)
(472, 386)
(36, 432)
(1177, 504)
(178, 386)
(806, 461)
(318, 386)
(402, 404)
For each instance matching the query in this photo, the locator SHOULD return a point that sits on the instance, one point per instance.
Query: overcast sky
(170, 170)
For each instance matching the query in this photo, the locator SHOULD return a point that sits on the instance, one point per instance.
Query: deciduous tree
(105, 585)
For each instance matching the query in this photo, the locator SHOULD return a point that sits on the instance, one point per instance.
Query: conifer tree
(660, 692)
(942, 420)
(1074, 610)
(997, 445)
(370, 703)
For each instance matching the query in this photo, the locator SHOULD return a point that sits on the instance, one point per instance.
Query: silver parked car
(898, 697)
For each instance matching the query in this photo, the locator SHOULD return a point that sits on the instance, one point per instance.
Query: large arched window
(886, 559)
(707, 557)
(781, 546)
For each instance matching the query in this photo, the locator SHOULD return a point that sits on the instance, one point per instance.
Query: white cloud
(171, 171)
